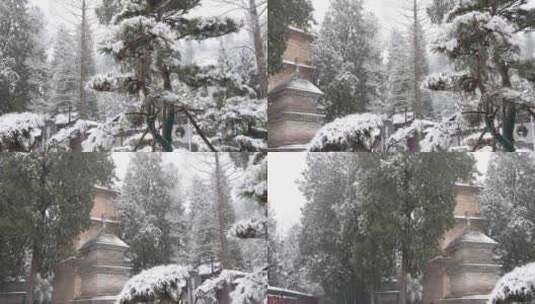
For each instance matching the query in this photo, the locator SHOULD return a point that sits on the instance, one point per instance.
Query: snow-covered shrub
(353, 133)
(250, 289)
(20, 131)
(160, 284)
(431, 136)
(249, 229)
(70, 138)
(243, 288)
(517, 286)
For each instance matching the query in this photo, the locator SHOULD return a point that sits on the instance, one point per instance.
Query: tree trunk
(220, 212)
(403, 280)
(83, 104)
(169, 112)
(31, 279)
(259, 49)
(418, 113)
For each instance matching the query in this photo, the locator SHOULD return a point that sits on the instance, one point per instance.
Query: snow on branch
(515, 286)
(254, 228)
(353, 133)
(251, 289)
(20, 131)
(158, 284)
(114, 83)
(247, 288)
(460, 81)
(434, 137)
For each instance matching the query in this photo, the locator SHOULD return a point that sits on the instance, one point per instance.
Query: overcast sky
(188, 164)
(285, 199)
(389, 12)
(56, 13)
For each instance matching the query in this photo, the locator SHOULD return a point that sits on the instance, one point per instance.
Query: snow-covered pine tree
(439, 9)
(235, 119)
(86, 67)
(479, 40)
(144, 40)
(228, 251)
(421, 101)
(38, 63)
(255, 15)
(18, 45)
(63, 97)
(508, 204)
(145, 202)
(203, 230)
(398, 75)
(347, 58)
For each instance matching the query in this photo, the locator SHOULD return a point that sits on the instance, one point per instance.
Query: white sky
(285, 199)
(56, 13)
(188, 164)
(389, 12)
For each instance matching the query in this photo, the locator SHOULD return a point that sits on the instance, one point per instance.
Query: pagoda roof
(297, 83)
(472, 236)
(106, 239)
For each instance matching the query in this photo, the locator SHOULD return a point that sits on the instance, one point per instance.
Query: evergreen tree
(145, 41)
(281, 15)
(508, 204)
(479, 41)
(63, 97)
(421, 101)
(439, 9)
(228, 251)
(326, 250)
(419, 201)
(46, 202)
(347, 59)
(203, 230)
(398, 74)
(144, 205)
(17, 43)
(85, 69)
(38, 63)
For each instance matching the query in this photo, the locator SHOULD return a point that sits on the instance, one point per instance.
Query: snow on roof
(515, 286)
(297, 83)
(350, 133)
(150, 284)
(472, 236)
(104, 239)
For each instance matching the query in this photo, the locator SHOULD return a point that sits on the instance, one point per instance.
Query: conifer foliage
(479, 39)
(144, 40)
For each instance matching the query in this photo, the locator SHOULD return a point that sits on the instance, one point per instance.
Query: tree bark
(31, 279)
(403, 280)
(220, 213)
(418, 112)
(259, 49)
(83, 104)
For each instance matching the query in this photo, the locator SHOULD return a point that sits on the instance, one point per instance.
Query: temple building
(294, 115)
(466, 270)
(100, 269)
